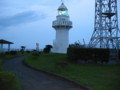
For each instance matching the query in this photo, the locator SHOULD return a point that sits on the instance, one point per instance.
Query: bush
(6, 53)
(93, 54)
(28, 51)
(8, 81)
(47, 48)
(35, 53)
(119, 54)
(2, 55)
(1, 61)
(13, 52)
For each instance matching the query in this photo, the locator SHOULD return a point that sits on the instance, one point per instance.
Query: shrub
(35, 53)
(47, 48)
(119, 54)
(6, 53)
(28, 51)
(1, 61)
(2, 55)
(93, 54)
(8, 81)
(13, 52)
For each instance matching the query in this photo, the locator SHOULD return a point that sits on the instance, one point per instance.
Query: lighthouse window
(62, 12)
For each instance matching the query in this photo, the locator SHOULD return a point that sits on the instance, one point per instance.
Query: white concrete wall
(61, 42)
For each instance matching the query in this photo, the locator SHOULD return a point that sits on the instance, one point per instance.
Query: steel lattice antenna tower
(106, 30)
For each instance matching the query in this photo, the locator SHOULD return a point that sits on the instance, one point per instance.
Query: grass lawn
(99, 77)
(8, 81)
(12, 55)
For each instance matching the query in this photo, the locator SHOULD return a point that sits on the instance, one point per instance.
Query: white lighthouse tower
(62, 26)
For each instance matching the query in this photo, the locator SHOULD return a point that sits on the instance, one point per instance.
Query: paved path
(34, 80)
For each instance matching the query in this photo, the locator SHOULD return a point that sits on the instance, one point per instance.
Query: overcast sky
(27, 22)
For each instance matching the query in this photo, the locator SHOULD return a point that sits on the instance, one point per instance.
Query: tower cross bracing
(106, 32)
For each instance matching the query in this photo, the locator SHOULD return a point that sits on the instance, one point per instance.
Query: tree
(47, 48)
(22, 49)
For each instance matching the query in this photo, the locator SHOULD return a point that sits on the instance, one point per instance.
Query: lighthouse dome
(62, 7)
(62, 10)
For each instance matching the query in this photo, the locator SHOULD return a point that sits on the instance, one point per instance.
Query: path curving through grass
(34, 80)
(100, 77)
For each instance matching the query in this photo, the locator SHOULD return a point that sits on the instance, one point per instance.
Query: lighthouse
(62, 25)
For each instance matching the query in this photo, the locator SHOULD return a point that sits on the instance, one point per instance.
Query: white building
(62, 26)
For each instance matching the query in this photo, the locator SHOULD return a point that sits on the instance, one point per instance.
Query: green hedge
(119, 54)
(1, 64)
(8, 81)
(85, 54)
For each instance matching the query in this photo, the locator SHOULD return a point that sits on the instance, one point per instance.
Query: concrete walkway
(34, 80)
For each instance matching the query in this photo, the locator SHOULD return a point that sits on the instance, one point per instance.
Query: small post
(8, 47)
(37, 46)
(1, 47)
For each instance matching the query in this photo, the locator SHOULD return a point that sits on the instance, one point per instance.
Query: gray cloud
(20, 18)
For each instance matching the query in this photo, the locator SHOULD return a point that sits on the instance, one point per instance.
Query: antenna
(62, 1)
(84, 41)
